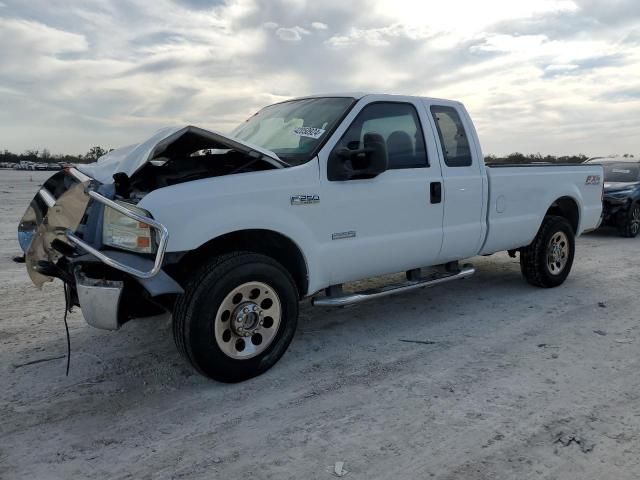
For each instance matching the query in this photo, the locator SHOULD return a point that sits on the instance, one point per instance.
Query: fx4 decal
(593, 180)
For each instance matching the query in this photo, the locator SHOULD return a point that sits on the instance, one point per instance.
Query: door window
(453, 138)
(397, 126)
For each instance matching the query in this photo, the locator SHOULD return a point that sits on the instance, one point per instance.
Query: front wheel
(547, 261)
(236, 317)
(631, 226)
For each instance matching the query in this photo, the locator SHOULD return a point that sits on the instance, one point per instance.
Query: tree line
(44, 156)
(539, 158)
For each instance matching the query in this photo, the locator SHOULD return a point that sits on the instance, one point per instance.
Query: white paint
(397, 228)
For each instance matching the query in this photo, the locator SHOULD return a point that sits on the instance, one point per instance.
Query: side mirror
(352, 164)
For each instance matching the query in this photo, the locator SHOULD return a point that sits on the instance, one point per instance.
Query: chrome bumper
(99, 301)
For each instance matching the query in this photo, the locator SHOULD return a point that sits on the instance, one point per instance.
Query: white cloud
(107, 72)
(378, 37)
(293, 34)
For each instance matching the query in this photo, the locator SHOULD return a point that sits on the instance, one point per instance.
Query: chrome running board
(359, 297)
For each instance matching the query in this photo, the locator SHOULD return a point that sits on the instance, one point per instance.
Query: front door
(391, 222)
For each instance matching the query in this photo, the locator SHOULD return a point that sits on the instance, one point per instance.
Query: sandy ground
(518, 383)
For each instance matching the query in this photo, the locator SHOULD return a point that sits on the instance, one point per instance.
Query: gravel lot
(518, 383)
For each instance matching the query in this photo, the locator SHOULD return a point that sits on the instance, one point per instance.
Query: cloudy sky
(549, 76)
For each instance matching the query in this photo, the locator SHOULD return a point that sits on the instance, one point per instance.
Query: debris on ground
(338, 469)
(567, 439)
(423, 342)
(600, 332)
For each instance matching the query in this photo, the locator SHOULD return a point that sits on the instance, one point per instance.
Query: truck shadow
(140, 361)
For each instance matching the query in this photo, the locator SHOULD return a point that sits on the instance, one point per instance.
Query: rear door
(463, 181)
(387, 223)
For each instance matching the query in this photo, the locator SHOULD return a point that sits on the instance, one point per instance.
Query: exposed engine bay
(175, 156)
(181, 166)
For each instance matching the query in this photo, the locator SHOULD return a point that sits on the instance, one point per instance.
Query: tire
(237, 316)
(547, 261)
(631, 226)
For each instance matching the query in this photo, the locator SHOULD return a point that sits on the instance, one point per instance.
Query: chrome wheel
(634, 225)
(557, 253)
(247, 321)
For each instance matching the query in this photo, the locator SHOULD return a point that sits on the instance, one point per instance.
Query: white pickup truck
(229, 232)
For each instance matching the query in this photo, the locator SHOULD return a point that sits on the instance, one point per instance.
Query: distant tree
(95, 153)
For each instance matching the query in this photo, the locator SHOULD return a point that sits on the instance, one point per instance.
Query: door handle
(436, 192)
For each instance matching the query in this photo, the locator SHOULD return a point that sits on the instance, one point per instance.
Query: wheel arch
(568, 208)
(271, 243)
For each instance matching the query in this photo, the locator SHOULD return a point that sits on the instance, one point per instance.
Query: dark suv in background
(621, 202)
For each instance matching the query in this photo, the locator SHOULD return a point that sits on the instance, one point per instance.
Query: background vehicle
(229, 232)
(621, 200)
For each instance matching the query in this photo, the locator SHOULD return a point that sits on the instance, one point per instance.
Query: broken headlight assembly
(121, 231)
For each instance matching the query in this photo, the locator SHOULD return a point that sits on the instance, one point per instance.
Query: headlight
(121, 231)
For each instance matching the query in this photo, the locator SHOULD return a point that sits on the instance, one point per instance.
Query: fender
(203, 210)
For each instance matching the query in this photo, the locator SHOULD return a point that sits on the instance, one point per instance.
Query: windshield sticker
(310, 132)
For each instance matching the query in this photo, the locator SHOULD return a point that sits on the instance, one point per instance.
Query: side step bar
(359, 297)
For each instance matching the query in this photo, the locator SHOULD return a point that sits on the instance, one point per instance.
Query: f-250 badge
(304, 199)
(593, 180)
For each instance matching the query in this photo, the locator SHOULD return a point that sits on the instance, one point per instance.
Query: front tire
(237, 316)
(631, 226)
(547, 261)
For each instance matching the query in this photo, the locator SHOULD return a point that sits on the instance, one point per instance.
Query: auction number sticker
(310, 132)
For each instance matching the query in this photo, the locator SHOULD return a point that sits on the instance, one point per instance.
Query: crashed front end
(85, 228)
(65, 233)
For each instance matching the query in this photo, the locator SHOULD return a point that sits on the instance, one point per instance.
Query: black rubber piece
(195, 310)
(533, 259)
(625, 229)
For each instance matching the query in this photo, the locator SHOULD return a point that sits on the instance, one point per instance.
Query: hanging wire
(66, 325)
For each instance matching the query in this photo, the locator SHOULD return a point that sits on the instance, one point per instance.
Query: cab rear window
(453, 138)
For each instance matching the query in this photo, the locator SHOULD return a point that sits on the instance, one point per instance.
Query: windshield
(293, 130)
(622, 172)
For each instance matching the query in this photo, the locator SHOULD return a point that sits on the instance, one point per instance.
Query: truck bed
(520, 196)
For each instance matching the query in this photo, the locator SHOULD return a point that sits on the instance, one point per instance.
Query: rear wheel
(631, 226)
(547, 261)
(236, 317)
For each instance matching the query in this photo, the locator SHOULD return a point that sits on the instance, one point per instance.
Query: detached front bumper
(60, 234)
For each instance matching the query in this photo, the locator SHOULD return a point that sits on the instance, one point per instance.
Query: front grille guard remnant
(162, 230)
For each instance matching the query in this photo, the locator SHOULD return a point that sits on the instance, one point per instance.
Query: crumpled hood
(131, 158)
